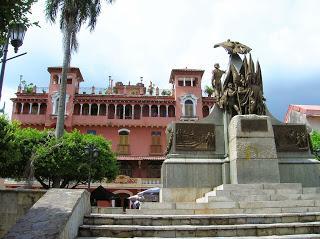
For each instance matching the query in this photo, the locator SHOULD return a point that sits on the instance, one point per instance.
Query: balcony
(31, 119)
(104, 120)
(123, 149)
(156, 149)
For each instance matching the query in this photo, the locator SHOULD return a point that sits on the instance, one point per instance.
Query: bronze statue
(216, 80)
(242, 90)
(234, 47)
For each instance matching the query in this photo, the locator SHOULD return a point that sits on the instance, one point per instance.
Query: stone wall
(57, 215)
(14, 203)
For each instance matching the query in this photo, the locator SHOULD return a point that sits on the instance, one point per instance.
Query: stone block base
(194, 173)
(254, 171)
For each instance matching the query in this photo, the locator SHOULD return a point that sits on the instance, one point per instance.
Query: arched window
(85, 109)
(188, 108)
(18, 108)
(26, 108)
(137, 111)
(34, 108)
(154, 169)
(119, 112)
(163, 111)
(76, 109)
(94, 109)
(123, 146)
(103, 109)
(205, 111)
(154, 111)
(155, 148)
(126, 168)
(145, 111)
(128, 112)
(111, 111)
(171, 111)
(43, 108)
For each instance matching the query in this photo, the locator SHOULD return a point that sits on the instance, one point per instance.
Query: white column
(115, 110)
(124, 112)
(14, 107)
(132, 112)
(81, 109)
(98, 109)
(184, 81)
(22, 107)
(192, 82)
(149, 110)
(89, 109)
(30, 108)
(167, 110)
(158, 110)
(38, 108)
(107, 107)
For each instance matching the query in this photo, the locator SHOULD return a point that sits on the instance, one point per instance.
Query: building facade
(132, 117)
(304, 114)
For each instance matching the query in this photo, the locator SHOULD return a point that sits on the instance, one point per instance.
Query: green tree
(315, 140)
(29, 152)
(9, 154)
(73, 14)
(65, 158)
(208, 90)
(14, 11)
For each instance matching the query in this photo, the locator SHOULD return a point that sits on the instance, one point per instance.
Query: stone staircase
(245, 211)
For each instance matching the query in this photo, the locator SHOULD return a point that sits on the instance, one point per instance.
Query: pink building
(133, 117)
(304, 114)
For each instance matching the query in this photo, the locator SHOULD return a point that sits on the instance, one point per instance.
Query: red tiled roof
(141, 157)
(309, 110)
(177, 71)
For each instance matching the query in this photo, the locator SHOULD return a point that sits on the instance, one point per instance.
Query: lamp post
(92, 153)
(16, 35)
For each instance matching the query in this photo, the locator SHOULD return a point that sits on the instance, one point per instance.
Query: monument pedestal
(252, 150)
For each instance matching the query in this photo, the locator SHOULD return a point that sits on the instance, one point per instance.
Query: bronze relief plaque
(195, 137)
(248, 125)
(292, 138)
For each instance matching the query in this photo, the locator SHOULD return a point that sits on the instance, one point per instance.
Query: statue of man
(216, 80)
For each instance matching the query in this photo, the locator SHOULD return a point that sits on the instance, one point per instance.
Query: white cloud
(136, 38)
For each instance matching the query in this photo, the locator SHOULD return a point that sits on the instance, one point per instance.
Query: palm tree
(73, 14)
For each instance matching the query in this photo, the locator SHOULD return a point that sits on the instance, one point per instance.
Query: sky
(149, 38)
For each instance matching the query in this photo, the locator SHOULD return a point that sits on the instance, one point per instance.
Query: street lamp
(16, 35)
(93, 153)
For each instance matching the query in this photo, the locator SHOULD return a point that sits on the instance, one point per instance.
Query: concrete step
(301, 236)
(200, 231)
(311, 190)
(222, 211)
(259, 197)
(107, 210)
(274, 186)
(255, 203)
(158, 220)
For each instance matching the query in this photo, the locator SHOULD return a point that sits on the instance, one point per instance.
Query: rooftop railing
(105, 91)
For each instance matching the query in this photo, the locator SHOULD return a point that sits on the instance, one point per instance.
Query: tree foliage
(13, 12)
(9, 155)
(26, 151)
(315, 140)
(209, 90)
(65, 158)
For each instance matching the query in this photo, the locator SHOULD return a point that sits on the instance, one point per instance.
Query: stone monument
(240, 142)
